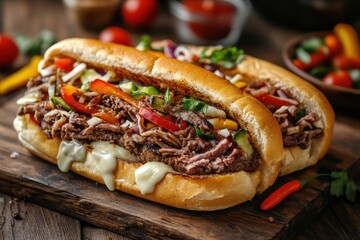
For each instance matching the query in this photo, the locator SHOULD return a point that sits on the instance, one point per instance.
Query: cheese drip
(105, 156)
(149, 174)
(69, 152)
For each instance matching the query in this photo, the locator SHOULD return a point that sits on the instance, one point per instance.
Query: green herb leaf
(350, 191)
(225, 57)
(194, 105)
(203, 135)
(303, 55)
(144, 43)
(343, 185)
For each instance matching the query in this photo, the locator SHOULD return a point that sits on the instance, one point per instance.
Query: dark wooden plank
(90, 232)
(348, 214)
(41, 182)
(325, 228)
(22, 220)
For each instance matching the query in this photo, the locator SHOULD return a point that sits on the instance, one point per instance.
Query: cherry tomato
(139, 13)
(333, 44)
(116, 35)
(8, 51)
(339, 78)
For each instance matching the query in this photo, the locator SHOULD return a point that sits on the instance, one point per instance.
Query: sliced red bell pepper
(272, 100)
(67, 92)
(107, 117)
(177, 121)
(148, 114)
(65, 64)
(103, 87)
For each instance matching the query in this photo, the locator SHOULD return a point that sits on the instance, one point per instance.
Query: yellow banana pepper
(20, 77)
(349, 39)
(220, 123)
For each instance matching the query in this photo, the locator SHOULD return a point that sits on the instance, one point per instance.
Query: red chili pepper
(281, 193)
(146, 113)
(316, 59)
(344, 62)
(272, 100)
(67, 93)
(65, 64)
(103, 87)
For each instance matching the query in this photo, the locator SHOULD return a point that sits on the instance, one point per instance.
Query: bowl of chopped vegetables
(329, 60)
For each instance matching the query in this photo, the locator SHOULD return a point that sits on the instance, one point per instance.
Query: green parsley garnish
(225, 57)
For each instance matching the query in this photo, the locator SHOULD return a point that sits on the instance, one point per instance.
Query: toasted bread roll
(203, 192)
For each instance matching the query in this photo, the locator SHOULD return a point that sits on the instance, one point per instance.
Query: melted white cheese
(149, 174)
(105, 155)
(69, 152)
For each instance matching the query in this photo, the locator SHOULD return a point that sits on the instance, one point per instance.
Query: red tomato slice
(116, 35)
(339, 78)
(139, 13)
(65, 64)
(146, 113)
(8, 51)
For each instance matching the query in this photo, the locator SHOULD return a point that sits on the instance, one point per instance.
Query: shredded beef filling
(183, 149)
(298, 126)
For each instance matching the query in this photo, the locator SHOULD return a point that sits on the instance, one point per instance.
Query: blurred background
(252, 25)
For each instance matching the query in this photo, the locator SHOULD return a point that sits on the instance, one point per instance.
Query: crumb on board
(14, 155)
(271, 219)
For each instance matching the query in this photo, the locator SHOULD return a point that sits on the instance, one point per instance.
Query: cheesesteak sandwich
(154, 127)
(303, 113)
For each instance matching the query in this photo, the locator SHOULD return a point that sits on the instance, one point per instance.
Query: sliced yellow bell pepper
(20, 77)
(220, 123)
(349, 39)
(240, 84)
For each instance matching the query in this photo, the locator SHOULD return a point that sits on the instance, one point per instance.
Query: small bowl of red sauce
(209, 22)
(320, 58)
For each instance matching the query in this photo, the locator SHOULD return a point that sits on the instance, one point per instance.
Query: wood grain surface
(54, 205)
(37, 181)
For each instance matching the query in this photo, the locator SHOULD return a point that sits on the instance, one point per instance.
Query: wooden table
(22, 219)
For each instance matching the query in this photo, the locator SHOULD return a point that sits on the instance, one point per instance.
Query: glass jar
(209, 22)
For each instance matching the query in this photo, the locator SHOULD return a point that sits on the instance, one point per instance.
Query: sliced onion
(65, 113)
(51, 113)
(219, 73)
(215, 112)
(169, 48)
(50, 70)
(82, 99)
(318, 124)
(224, 132)
(91, 94)
(94, 121)
(75, 73)
(210, 67)
(182, 53)
(285, 97)
(281, 109)
(292, 130)
(235, 78)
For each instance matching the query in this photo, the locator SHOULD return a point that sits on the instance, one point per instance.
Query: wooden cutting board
(35, 180)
